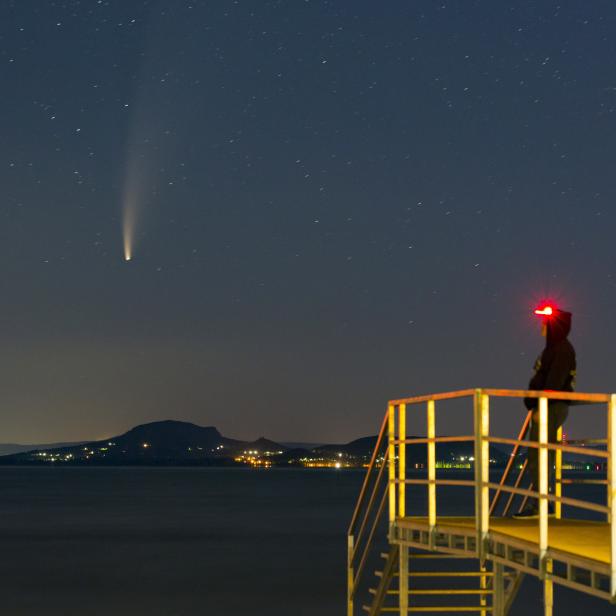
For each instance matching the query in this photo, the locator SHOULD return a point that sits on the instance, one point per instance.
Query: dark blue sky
(338, 203)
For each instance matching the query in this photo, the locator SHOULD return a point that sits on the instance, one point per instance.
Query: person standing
(555, 370)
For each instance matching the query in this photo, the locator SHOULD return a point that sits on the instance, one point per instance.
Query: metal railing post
(482, 469)
(402, 460)
(558, 475)
(483, 585)
(611, 489)
(548, 589)
(391, 432)
(350, 574)
(543, 481)
(403, 580)
(498, 602)
(431, 434)
(403, 551)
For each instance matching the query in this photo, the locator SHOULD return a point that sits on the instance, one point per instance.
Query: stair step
(438, 608)
(450, 574)
(437, 556)
(449, 608)
(379, 573)
(457, 556)
(443, 591)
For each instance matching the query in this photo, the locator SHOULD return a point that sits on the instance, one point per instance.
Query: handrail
(364, 556)
(597, 482)
(362, 526)
(596, 453)
(571, 396)
(515, 485)
(353, 541)
(436, 439)
(450, 395)
(364, 486)
(441, 482)
(517, 443)
(514, 453)
(574, 502)
(507, 393)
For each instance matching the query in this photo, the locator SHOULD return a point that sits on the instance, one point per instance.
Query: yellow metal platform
(581, 539)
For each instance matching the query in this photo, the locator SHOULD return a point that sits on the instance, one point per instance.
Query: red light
(546, 311)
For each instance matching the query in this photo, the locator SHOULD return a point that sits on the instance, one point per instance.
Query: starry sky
(333, 203)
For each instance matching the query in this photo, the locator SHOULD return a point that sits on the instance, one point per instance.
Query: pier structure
(435, 562)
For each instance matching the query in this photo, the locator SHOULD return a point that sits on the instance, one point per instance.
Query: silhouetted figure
(554, 370)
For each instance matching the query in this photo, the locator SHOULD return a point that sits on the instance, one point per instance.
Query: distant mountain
(359, 447)
(160, 442)
(9, 448)
(294, 445)
(263, 445)
(168, 438)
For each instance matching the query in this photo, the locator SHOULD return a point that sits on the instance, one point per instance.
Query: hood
(558, 327)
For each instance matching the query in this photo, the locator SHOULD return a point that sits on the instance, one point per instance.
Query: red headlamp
(545, 311)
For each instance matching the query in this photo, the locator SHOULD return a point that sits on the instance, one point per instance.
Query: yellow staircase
(444, 564)
(448, 584)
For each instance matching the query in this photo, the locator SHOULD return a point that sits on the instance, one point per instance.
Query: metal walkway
(437, 564)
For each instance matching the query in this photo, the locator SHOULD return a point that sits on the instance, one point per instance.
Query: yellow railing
(390, 454)
(482, 440)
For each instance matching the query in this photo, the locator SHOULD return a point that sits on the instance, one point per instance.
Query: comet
(146, 142)
(132, 201)
(128, 229)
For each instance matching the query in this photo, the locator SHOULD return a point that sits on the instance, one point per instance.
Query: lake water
(182, 541)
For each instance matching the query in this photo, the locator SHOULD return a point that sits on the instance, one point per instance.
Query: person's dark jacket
(555, 368)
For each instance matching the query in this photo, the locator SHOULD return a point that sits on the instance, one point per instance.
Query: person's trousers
(557, 413)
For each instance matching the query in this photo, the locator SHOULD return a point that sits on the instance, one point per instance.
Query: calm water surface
(168, 542)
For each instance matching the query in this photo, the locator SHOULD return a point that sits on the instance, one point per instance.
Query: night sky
(330, 204)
